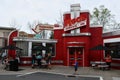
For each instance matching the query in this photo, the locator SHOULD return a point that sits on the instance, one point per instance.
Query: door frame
(68, 54)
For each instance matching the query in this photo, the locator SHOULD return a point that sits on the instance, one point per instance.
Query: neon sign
(75, 25)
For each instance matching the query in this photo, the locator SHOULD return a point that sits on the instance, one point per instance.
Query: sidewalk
(86, 71)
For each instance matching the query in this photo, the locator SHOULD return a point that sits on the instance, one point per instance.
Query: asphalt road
(46, 76)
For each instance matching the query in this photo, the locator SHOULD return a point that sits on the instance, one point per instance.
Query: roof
(7, 28)
(111, 33)
(34, 40)
(81, 11)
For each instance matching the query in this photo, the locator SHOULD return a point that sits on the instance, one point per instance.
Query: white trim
(10, 34)
(55, 28)
(75, 5)
(81, 11)
(74, 46)
(75, 25)
(29, 49)
(35, 40)
(112, 33)
(74, 42)
(93, 26)
(67, 12)
(77, 34)
(111, 40)
(109, 31)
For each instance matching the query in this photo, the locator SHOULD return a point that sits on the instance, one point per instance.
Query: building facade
(4, 33)
(76, 37)
(71, 42)
(31, 43)
(112, 40)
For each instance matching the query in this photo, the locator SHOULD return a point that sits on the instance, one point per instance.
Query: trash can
(13, 65)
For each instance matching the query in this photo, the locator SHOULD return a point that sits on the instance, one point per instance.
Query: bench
(44, 65)
(103, 67)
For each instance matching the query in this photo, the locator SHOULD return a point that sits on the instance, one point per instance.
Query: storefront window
(44, 48)
(115, 49)
(75, 31)
(51, 48)
(24, 47)
(71, 50)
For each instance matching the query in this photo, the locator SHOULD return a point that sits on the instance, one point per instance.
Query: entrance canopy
(35, 40)
(37, 45)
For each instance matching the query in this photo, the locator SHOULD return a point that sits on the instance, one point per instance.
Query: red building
(76, 37)
(71, 42)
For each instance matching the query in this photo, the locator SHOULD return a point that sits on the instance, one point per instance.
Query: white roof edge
(95, 26)
(68, 12)
(84, 11)
(34, 40)
(111, 31)
(77, 4)
(111, 40)
(55, 28)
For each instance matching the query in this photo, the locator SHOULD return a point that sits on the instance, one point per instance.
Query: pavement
(112, 74)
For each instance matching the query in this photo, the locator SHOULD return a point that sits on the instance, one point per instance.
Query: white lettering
(75, 25)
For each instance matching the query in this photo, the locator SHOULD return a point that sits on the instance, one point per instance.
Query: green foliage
(102, 16)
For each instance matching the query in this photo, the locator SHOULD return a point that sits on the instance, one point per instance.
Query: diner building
(72, 41)
(76, 38)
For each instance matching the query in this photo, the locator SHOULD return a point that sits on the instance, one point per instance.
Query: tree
(102, 16)
(15, 25)
(59, 21)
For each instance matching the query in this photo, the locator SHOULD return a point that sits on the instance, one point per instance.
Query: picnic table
(99, 64)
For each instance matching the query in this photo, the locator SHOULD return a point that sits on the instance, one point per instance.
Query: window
(75, 31)
(5, 34)
(115, 49)
(24, 47)
(44, 48)
(51, 48)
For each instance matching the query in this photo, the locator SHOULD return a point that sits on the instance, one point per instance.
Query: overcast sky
(20, 12)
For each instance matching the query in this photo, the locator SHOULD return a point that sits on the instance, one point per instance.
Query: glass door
(75, 53)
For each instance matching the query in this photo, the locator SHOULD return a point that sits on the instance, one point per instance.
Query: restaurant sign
(75, 25)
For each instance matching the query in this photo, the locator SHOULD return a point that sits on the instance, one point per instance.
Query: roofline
(7, 28)
(81, 11)
(34, 40)
(112, 33)
(93, 26)
(79, 34)
(108, 31)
